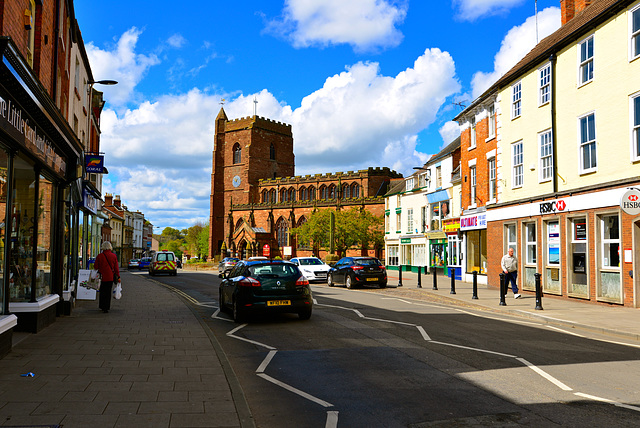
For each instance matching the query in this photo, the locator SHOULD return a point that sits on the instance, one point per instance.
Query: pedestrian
(107, 264)
(509, 265)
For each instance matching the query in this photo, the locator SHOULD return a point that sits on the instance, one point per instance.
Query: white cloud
(122, 64)
(364, 24)
(176, 41)
(159, 154)
(470, 10)
(449, 132)
(516, 44)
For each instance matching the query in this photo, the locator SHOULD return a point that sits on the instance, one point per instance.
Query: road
(368, 359)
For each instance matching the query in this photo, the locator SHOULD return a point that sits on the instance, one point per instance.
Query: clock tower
(245, 151)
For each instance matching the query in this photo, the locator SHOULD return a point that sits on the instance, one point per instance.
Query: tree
(203, 242)
(353, 227)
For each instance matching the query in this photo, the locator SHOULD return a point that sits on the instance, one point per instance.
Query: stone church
(256, 199)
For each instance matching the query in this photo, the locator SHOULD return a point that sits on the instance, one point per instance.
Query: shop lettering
(551, 207)
(469, 222)
(631, 205)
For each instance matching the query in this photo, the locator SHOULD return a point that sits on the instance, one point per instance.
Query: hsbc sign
(551, 207)
(630, 202)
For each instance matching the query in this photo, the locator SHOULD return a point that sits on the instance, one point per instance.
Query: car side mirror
(221, 275)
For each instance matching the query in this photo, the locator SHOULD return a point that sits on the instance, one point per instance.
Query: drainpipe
(56, 42)
(554, 146)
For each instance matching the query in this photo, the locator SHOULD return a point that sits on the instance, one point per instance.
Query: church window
(304, 194)
(283, 195)
(265, 196)
(346, 191)
(292, 195)
(312, 193)
(237, 153)
(355, 190)
(332, 192)
(273, 196)
(324, 193)
(282, 231)
(272, 152)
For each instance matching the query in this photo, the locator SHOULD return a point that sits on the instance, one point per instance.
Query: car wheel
(223, 306)
(305, 315)
(383, 285)
(238, 313)
(330, 281)
(349, 282)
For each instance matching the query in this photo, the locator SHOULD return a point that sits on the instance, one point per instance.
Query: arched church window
(355, 190)
(282, 232)
(304, 194)
(273, 195)
(324, 193)
(346, 191)
(312, 193)
(292, 194)
(265, 196)
(237, 153)
(332, 192)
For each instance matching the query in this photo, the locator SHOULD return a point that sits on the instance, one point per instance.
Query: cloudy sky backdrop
(363, 83)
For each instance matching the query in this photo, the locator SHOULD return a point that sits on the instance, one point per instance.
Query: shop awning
(439, 196)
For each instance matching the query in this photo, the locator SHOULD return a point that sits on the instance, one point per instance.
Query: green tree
(353, 227)
(203, 242)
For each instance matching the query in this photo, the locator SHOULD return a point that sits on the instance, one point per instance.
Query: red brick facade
(254, 191)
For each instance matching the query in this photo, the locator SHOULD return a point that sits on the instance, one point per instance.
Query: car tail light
(381, 267)
(302, 281)
(249, 282)
(357, 268)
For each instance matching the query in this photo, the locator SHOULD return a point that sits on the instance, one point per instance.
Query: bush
(331, 259)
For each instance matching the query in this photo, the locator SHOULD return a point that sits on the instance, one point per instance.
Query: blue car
(144, 263)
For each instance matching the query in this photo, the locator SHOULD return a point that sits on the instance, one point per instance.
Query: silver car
(312, 268)
(227, 264)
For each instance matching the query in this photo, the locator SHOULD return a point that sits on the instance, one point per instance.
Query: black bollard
(452, 272)
(502, 290)
(538, 291)
(435, 278)
(419, 279)
(475, 285)
(400, 273)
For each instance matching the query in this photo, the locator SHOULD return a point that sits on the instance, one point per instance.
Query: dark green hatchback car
(265, 286)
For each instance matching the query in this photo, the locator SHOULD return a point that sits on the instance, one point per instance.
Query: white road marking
(565, 331)
(604, 400)
(295, 390)
(474, 349)
(230, 334)
(332, 419)
(545, 375)
(262, 367)
(423, 333)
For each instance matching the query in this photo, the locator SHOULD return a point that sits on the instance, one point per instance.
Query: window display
(22, 231)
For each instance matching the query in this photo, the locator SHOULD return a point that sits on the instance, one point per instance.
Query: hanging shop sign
(18, 124)
(94, 163)
(630, 202)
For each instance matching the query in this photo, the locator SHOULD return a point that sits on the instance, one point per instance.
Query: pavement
(152, 361)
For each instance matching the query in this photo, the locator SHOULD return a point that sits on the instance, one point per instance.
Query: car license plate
(279, 303)
(372, 279)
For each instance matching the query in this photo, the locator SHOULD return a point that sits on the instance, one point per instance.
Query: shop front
(474, 233)
(584, 246)
(455, 255)
(38, 161)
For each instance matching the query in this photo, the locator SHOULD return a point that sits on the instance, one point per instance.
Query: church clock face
(236, 181)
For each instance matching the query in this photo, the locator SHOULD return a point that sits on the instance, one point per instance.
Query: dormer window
(409, 184)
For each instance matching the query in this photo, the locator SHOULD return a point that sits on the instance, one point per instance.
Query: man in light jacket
(509, 265)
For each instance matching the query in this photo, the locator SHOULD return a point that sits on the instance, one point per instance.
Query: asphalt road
(369, 359)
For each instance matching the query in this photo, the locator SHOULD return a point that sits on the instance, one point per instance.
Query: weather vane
(222, 102)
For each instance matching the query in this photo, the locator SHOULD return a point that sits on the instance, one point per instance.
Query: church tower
(245, 151)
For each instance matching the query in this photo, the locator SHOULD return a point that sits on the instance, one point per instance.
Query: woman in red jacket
(107, 264)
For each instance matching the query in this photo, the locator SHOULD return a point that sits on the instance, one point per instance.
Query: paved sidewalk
(147, 363)
(573, 313)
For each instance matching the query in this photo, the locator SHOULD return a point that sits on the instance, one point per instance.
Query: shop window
(4, 187)
(511, 239)
(419, 256)
(477, 251)
(392, 255)
(531, 255)
(577, 260)
(45, 229)
(438, 254)
(453, 250)
(551, 282)
(609, 284)
(22, 231)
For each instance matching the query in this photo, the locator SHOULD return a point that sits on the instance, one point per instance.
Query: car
(355, 271)
(144, 263)
(133, 264)
(227, 264)
(265, 286)
(258, 258)
(163, 262)
(312, 268)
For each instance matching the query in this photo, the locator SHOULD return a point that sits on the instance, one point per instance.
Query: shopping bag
(117, 291)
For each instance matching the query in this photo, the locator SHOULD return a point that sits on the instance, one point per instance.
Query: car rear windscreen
(273, 271)
(367, 262)
(165, 257)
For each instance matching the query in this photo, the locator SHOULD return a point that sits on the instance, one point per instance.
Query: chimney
(116, 202)
(570, 8)
(108, 200)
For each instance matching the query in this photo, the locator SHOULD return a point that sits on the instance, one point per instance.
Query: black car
(354, 271)
(265, 286)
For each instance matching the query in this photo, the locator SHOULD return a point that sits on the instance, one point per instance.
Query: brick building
(256, 199)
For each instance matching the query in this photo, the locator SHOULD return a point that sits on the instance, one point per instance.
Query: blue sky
(362, 82)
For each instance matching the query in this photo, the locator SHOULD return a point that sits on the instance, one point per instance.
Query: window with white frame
(438, 176)
(635, 32)
(588, 159)
(386, 223)
(635, 131)
(492, 179)
(473, 132)
(545, 84)
(531, 244)
(492, 121)
(410, 220)
(409, 184)
(518, 164)
(609, 285)
(516, 100)
(424, 222)
(546, 155)
(423, 180)
(472, 173)
(585, 52)
(398, 222)
(392, 255)
(511, 239)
